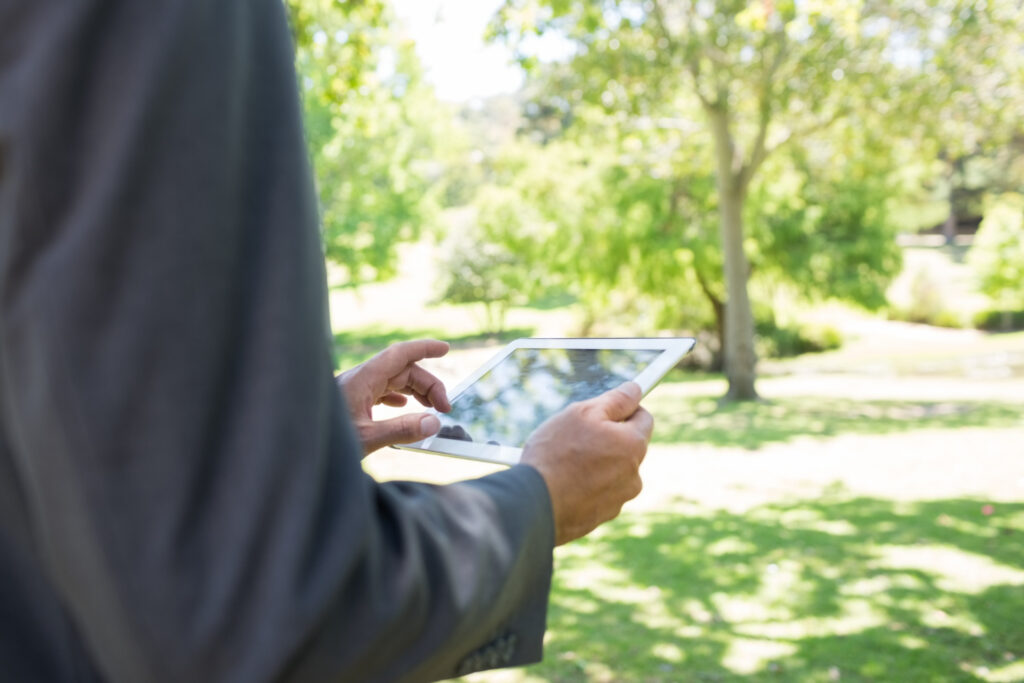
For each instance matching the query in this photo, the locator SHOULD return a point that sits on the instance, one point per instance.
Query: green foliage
(999, 321)
(819, 221)
(354, 50)
(371, 127)
(758, 79)
(631, 215)
(998, 252)
(649, 77)
(783, 341)
(546, 208)
(355, 346)
(480, 270)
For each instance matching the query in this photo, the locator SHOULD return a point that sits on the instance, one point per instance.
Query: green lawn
(845, 528)
(703, 419)
(830, 588)
(863, 522)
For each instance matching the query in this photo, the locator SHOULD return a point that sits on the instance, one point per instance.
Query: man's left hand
(388, 378)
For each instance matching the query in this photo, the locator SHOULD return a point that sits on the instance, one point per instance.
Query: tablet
(497, 407)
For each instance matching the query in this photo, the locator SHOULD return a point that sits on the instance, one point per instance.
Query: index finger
(428, 389)
(396, 357)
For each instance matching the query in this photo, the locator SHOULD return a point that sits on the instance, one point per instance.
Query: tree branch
(808, 129)
(692, 61)
(759, 151)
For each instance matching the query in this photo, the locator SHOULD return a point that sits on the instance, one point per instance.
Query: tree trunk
(949, 226)
(740, 359)
(718, 307)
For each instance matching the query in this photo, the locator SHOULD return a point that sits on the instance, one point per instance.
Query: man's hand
(589, 455)
(387, 378)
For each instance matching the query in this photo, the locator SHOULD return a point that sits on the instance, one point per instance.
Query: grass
(976, 357)
(703, 419)
(824, 589)
(741, 562)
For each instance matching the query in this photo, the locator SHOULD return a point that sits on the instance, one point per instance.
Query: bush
(925, 305)
(476, 271)
(942, 317)
(946, 318)
(998, 253)
(774, 341)
(999, 321)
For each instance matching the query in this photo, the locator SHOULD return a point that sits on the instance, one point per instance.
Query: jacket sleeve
(166, 382)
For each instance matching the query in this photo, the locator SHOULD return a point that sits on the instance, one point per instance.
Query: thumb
(401, 429)
(621, 402)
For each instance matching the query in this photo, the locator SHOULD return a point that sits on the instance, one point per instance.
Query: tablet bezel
(672, 350)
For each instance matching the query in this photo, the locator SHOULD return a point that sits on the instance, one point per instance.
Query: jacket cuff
(520, 639)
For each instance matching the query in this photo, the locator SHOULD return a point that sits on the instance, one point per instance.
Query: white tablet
(497, 407)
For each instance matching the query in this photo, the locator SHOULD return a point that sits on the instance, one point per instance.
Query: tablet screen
(505, 405)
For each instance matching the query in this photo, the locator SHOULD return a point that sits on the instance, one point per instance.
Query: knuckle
(617, 401)
(409, 428)
(635, 487)
(640, 442)
(578, 411)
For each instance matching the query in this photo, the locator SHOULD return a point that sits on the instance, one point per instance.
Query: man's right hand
(589, 455)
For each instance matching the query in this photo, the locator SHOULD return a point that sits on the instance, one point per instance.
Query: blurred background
(828, 195)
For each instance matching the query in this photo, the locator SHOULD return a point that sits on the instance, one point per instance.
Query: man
(181, 496)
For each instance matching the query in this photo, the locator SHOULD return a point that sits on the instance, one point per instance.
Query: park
(829, 196)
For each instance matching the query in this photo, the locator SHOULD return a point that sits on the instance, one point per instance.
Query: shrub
(946, 318)
(998, 253)
(775, 341)
(999, 321)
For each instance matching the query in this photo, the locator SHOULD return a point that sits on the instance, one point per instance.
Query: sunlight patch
(835, 527)
(731, 545)
(882, 585)
(911, 642)
(578, 604)
(1011, 673)
(856, 616)
(654, 615)
(668, 651)
(939, 618)
(746, 656)
(957, 570)
(588, 576)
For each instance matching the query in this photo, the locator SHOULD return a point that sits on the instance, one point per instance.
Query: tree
(965, 110)
(623, 217)
(763, 75)
(372, 126)
(478, 266)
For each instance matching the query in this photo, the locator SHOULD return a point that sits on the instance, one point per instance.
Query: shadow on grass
(821, 590)
(755, 424)
(354, 347)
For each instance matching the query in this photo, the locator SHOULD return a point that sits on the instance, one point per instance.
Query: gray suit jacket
(181, 497)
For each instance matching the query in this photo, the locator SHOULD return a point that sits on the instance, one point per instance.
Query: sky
(450, 43)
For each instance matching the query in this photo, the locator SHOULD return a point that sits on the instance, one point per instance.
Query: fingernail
(429, 425)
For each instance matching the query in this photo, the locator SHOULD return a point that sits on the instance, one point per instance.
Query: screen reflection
(514, 397)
